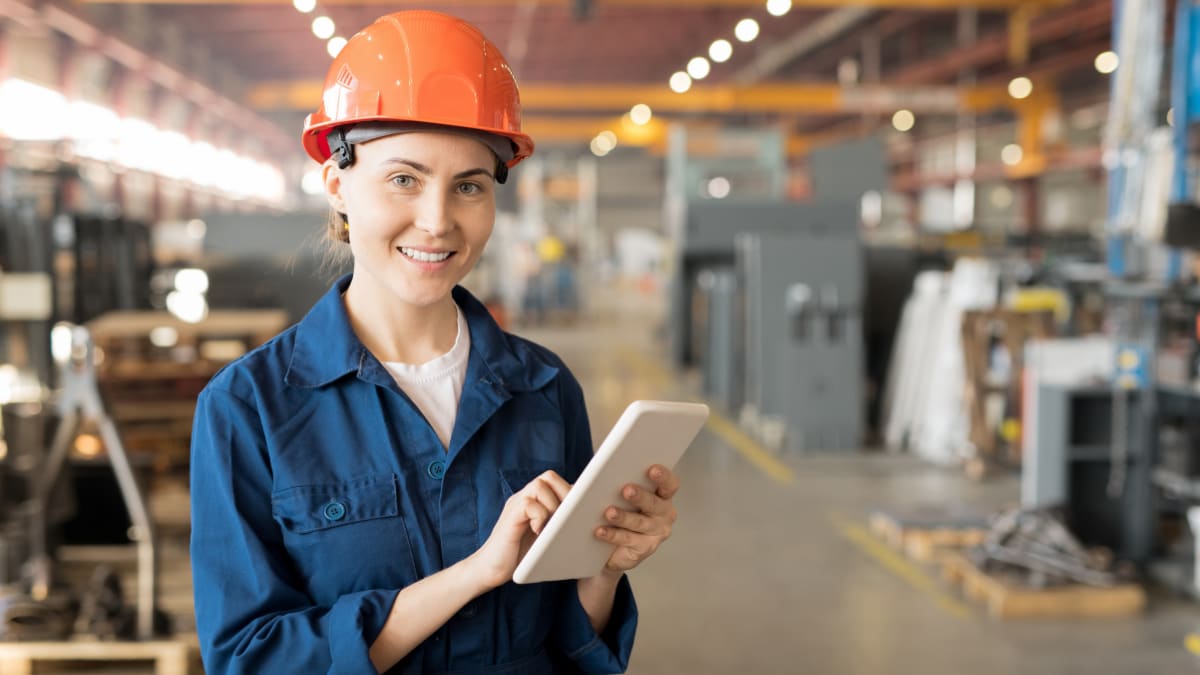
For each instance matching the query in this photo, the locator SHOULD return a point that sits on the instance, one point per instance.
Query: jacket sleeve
(252, 613)
(609, 651)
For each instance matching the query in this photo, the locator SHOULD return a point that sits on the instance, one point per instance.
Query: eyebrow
(421, 168)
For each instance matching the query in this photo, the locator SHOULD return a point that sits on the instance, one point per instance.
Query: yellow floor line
(719, 425)
(746, 447)
(900, 566)
(1192, 643)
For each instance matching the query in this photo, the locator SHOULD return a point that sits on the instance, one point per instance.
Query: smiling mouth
(422, 256)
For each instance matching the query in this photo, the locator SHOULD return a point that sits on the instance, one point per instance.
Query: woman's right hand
(522, 519)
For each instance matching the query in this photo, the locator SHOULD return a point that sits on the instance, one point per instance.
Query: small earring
(346, 227)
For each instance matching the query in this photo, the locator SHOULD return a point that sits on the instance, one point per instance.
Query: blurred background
(928, 261)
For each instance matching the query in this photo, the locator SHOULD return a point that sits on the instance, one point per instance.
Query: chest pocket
(513, 480)
(346, 536)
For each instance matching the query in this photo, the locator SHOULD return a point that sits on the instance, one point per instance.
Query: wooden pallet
(1005, 599)
(925, 543)
(170, 657)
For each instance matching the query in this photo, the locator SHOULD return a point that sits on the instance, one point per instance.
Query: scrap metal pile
(1035, 547)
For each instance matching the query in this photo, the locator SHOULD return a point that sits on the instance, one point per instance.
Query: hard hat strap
(340, 149)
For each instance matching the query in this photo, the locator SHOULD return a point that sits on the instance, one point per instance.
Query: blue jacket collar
(326, 348)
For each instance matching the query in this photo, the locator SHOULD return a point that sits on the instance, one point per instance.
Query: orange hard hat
(419, 67)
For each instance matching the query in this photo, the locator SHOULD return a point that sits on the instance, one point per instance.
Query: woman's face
(421, 208)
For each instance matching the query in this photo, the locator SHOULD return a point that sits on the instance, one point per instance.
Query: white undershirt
(435, 386)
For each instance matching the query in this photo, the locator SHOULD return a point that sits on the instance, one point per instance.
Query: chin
(424, 293)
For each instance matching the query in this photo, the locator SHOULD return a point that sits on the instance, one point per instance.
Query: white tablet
(648, 433)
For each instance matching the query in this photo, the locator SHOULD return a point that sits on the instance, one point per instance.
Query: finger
(536, 513)
(666, 481)
(544, 494)
(557, 483)
(646, 501)
(631, 546)
(634, 522)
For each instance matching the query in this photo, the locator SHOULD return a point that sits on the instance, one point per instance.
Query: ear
(331, 176)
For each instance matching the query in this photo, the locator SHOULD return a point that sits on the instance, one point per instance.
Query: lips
(425, 256)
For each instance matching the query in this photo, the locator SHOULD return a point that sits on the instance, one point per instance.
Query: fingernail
(630, 492)
(602, 532)
(657, 473)
(612, 514)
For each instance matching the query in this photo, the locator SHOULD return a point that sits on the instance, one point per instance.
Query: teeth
(421, 256)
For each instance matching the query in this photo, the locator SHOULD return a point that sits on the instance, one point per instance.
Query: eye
(470, 188)
(403, 180)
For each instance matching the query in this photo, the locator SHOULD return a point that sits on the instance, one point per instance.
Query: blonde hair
(335, 227)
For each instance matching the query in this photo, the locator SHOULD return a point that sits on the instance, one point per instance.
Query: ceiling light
(164, 336)
(640, 114)
(323, 27)
(606, 141)
(720, 51)
(597, 149)
(904, 120)
(680, 82)
(746, 30)
(304, 6)
(778, 7)
(718, 188)
(1012, 154)
(1107, 62)
(191, 280)
(698, 68)
(1020, 87)
(334, 46)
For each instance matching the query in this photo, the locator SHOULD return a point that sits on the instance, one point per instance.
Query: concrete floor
(767, 575)
(764, 576)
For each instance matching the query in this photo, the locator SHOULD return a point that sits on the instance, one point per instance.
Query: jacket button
(335, 511)
(436, 469)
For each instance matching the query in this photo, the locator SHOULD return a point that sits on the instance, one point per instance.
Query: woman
(354, 512)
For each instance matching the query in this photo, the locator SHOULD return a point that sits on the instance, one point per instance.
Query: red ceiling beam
(1051, 27)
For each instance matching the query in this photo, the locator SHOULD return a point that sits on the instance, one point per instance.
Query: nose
(433, 214)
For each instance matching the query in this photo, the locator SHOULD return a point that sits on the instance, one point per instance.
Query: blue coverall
(319, 491)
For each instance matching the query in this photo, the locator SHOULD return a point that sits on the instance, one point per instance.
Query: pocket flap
(308, 508)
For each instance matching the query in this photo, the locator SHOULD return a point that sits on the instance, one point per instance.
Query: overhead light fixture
(191, 280)
(718, 188)
(323, 27)
(720, 51)
(304, 6)
(640, 114)
(334, 46)
(603, 143)
(607, 140)
(778, 7)
(746, 30)
(1002, 197)
(1107, 62)
(698, 68)
(1020, 88)
(680, 82)
(1012, 154)
(904, 120)
(164, 337)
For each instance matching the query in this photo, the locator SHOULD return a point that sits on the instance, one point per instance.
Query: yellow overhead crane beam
(931, 5)
(717, 99)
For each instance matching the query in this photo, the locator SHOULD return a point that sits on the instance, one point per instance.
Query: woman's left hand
(639, 531)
